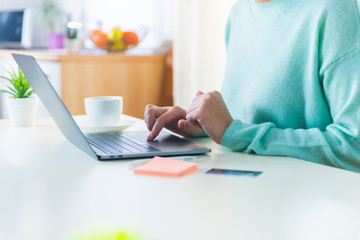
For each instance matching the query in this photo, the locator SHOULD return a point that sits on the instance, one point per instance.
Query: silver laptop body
(102, 146)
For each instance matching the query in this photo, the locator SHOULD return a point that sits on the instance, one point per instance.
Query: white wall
(18, 4)
(199, 49)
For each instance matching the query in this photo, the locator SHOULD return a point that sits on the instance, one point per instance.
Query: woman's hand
(172, 118)
(209, 111)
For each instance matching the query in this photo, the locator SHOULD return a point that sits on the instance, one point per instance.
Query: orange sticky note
(166, 167)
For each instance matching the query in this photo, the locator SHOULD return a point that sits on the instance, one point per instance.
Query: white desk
(51, 190)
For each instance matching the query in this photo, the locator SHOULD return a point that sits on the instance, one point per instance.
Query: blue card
(233, 172)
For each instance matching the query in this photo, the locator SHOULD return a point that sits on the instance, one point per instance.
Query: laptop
(102, 146)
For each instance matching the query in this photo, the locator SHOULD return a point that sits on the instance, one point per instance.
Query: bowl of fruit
(116, 39)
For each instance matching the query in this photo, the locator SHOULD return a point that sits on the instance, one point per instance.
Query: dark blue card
(233, 172)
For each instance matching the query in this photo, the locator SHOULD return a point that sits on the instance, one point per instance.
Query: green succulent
(19, 86)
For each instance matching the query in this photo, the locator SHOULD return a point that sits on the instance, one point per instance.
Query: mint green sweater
(292, 81)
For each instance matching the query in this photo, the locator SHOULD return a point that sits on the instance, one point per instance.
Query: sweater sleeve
(338, 145)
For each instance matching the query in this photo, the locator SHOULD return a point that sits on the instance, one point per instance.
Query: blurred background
(189, 32)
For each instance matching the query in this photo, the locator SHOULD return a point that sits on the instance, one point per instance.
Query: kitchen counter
(98, 54)
(39, 54)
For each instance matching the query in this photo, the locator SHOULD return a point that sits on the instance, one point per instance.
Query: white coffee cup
(104, 111)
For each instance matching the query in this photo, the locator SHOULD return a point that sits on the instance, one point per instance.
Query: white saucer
(87, 127)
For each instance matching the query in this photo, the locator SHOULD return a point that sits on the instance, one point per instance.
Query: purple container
(56, 40)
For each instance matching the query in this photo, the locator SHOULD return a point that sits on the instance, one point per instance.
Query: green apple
(115, 35)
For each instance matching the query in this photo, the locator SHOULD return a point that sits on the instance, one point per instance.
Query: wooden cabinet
(139, 79)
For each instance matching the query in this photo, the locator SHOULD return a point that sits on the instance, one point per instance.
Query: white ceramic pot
(22, 111)
(73, 46)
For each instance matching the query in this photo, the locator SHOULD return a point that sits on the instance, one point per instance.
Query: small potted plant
(21, 102)
(74, 42)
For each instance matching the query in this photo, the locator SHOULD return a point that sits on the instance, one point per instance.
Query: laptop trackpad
(165, 141)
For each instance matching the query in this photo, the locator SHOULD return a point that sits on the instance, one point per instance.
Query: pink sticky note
(166, 167)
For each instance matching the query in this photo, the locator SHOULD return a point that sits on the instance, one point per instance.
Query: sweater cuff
(238, 136)
(241, 136)
(202, 134)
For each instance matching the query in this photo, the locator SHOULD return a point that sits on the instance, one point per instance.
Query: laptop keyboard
(118, 143)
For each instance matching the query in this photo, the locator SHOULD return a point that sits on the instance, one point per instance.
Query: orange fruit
(130, 38)
(95, 32)
(100, 39)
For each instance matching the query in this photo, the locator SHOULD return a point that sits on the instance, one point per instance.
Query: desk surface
(51, 190)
